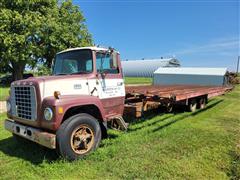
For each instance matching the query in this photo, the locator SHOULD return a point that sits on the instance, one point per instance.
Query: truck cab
(69, 109)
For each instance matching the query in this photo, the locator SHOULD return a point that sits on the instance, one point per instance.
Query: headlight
(8, 106)
(48, 114)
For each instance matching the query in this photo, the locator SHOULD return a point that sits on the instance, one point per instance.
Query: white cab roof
(93, 48)
(192, 71)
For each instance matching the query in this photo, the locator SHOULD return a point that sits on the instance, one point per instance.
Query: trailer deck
(143, 98)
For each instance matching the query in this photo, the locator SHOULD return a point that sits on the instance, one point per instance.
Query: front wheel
(78, 136)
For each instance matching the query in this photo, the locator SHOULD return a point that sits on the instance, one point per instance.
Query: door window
(107, 63)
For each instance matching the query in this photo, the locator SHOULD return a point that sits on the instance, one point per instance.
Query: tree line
(33, 31)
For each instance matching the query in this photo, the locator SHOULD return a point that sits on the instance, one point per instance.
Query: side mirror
(103, 73)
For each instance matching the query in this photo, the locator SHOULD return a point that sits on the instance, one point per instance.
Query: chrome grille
(23, 101)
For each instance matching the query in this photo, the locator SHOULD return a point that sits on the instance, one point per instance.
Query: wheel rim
(193, 107)
(82, 139)
(202, 103)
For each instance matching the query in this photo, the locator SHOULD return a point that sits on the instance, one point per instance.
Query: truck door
(111, 87)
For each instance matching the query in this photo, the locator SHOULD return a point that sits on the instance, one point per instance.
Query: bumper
(36, 135)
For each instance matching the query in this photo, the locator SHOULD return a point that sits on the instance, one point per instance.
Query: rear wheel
(202, 103)
(192, 105)
(78, 136)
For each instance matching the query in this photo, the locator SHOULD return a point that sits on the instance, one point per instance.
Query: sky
(201, 33)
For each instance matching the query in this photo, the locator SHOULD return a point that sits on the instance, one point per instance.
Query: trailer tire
(202, 103)
(78, 136)
(192, 105)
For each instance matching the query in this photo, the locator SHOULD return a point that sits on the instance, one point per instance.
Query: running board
(118, 123)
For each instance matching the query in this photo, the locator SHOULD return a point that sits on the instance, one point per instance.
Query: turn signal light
(56, 94)
(60, 110)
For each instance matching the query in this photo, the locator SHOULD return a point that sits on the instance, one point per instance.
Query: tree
(33, 31)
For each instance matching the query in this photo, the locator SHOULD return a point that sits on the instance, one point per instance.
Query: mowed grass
(4, 93)
(200, 145)
(137, 80)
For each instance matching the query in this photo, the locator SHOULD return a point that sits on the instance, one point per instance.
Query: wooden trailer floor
(176, 92)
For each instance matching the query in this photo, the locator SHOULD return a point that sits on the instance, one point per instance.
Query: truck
(71, 110)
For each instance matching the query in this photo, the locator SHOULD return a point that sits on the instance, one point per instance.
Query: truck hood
(65, 84)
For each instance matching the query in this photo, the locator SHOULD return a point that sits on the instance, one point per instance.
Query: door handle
(119, 83)
(94, 89)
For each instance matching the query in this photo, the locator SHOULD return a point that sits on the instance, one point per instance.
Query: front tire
(78, 136)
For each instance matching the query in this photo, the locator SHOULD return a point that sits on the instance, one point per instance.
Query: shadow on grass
(177, 110)
(186, 116)
(27, 150)
(234, 170)
(150, 124)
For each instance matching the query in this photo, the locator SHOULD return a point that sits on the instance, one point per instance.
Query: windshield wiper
(60, 74)
(80, 72)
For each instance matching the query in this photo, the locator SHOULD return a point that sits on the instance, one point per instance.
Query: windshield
(73, 62)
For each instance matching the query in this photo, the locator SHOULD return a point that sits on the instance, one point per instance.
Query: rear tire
(78, 136)
(202, 103)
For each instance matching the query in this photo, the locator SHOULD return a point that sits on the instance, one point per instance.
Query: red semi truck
(69, 111)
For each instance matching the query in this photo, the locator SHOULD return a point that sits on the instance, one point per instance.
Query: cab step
(118, 123)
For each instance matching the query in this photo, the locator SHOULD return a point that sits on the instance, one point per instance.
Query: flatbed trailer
(143, 98)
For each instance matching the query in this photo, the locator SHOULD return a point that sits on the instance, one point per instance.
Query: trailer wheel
(192, 105)
(202, 103)
(78, 136)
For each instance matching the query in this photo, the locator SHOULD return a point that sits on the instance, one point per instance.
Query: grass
(4, 92)
(138, 80)
(200, 145)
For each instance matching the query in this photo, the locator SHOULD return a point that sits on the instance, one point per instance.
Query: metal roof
(145, 68)
(164, 62)
(192, 71)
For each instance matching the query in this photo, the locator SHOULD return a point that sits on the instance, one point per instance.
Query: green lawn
(4, 92)
(138, 80)
(200, 145)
